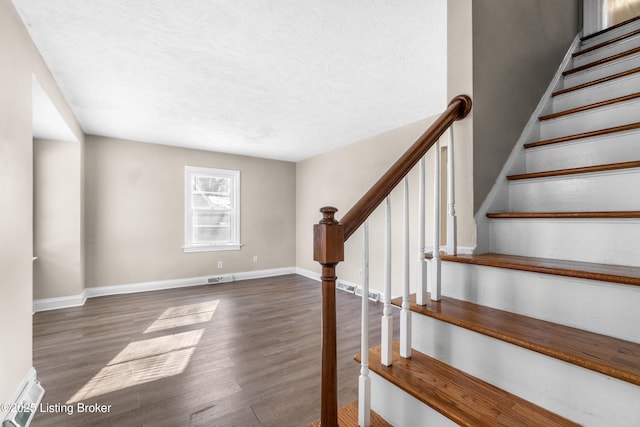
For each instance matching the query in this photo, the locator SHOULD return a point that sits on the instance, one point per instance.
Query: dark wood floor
(240, 354)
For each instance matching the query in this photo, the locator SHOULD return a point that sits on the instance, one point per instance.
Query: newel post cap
(328, 238)
(328, 215)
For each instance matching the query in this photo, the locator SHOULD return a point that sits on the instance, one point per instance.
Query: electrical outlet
(220, 264)
(360, 273)
(255, 258)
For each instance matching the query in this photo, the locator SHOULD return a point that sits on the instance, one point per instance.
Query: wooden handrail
(329, 236)
(458, 108)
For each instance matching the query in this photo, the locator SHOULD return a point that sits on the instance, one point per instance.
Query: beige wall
(135, 213)
(19, 61)
(339, 178)
(16, 200)
(58, 239)
(517, 48)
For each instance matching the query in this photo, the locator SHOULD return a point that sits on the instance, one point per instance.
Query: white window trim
(235, 244)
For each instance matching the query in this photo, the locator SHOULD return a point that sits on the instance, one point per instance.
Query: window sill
(212, 248)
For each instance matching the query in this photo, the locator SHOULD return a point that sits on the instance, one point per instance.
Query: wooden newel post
(328, 250)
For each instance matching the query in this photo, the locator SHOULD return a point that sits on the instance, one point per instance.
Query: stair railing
(328, 249)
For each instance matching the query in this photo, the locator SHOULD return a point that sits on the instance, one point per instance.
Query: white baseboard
(316, 276)
(158, 285)
(59, 302)
(79, 300)
(308, 273)
(260, 274)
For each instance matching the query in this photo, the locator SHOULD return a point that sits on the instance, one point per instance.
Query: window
(212, 209)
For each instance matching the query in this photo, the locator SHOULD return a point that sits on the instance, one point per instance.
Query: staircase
(544, 328)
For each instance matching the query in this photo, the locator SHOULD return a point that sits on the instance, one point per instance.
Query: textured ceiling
(283, 79)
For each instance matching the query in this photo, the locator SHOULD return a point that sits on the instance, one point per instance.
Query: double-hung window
(212, 209)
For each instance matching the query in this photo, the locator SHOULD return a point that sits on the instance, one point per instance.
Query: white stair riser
(611, 241)
(600, 307)
(584, 152)
(575, 393)
(600, 71)
(610, 35)
(401, 409)
(600, 118)
(604, 191)
(604, 52)
(601, 92)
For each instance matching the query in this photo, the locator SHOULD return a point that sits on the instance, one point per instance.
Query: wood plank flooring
(237, 354)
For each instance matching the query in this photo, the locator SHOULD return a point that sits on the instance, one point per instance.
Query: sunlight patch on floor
(184, 315)
(155, 358)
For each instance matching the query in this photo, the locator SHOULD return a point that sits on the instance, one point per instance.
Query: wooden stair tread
(588, 107)
(602, 61)
(606, 43)
(597, 81)
(575, 171)
(466, 400)
(565, 215)
(582, 270)
(604, 354)
(599, 132)
(613, 27)
(348, 417)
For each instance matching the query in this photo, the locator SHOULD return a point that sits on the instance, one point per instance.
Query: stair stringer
(498, 197)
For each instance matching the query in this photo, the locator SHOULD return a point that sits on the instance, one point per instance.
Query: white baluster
(387, 318)
(364, 390)
(405, 313)
(452, 225)
(421, 276)
(435, 261)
